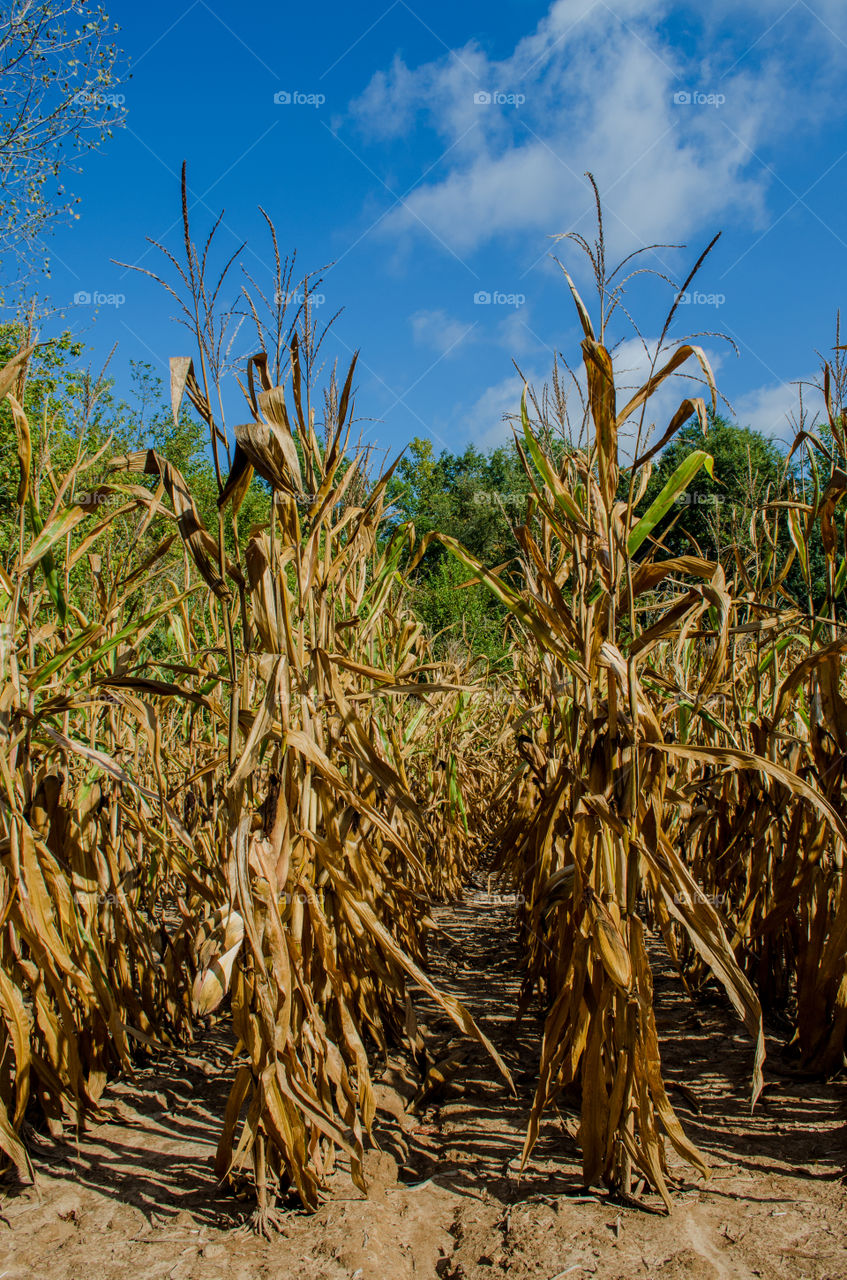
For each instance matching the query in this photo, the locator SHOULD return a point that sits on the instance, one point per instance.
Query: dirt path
(137, 1199)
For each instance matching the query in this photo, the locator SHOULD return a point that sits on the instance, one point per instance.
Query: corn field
(235, 776)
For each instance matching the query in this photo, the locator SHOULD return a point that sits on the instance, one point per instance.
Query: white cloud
(599, 85)
(440, 93)
(516, 335)
(485, 422)
(439, 331)
(770, 408)
(831, 12)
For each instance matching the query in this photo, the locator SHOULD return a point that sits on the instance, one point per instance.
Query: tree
(57, 100)
(473, 496)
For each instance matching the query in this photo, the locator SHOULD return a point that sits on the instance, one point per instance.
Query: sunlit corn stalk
(88, 852)
(594, 800)
(325, 853)
(775, 867)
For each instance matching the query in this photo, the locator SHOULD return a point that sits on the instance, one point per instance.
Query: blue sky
(430, 151)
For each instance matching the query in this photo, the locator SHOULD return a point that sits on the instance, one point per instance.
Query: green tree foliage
(185, 444)
(58, 76)
(67, 410)
(473, 496)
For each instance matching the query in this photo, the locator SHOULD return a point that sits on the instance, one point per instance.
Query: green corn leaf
(131, 629)
(677, 484)
(84, 637)
(48, 565)
(64, 521)
(798, 537)
(780, 647)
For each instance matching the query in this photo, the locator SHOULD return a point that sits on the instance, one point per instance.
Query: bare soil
(136, 1197)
